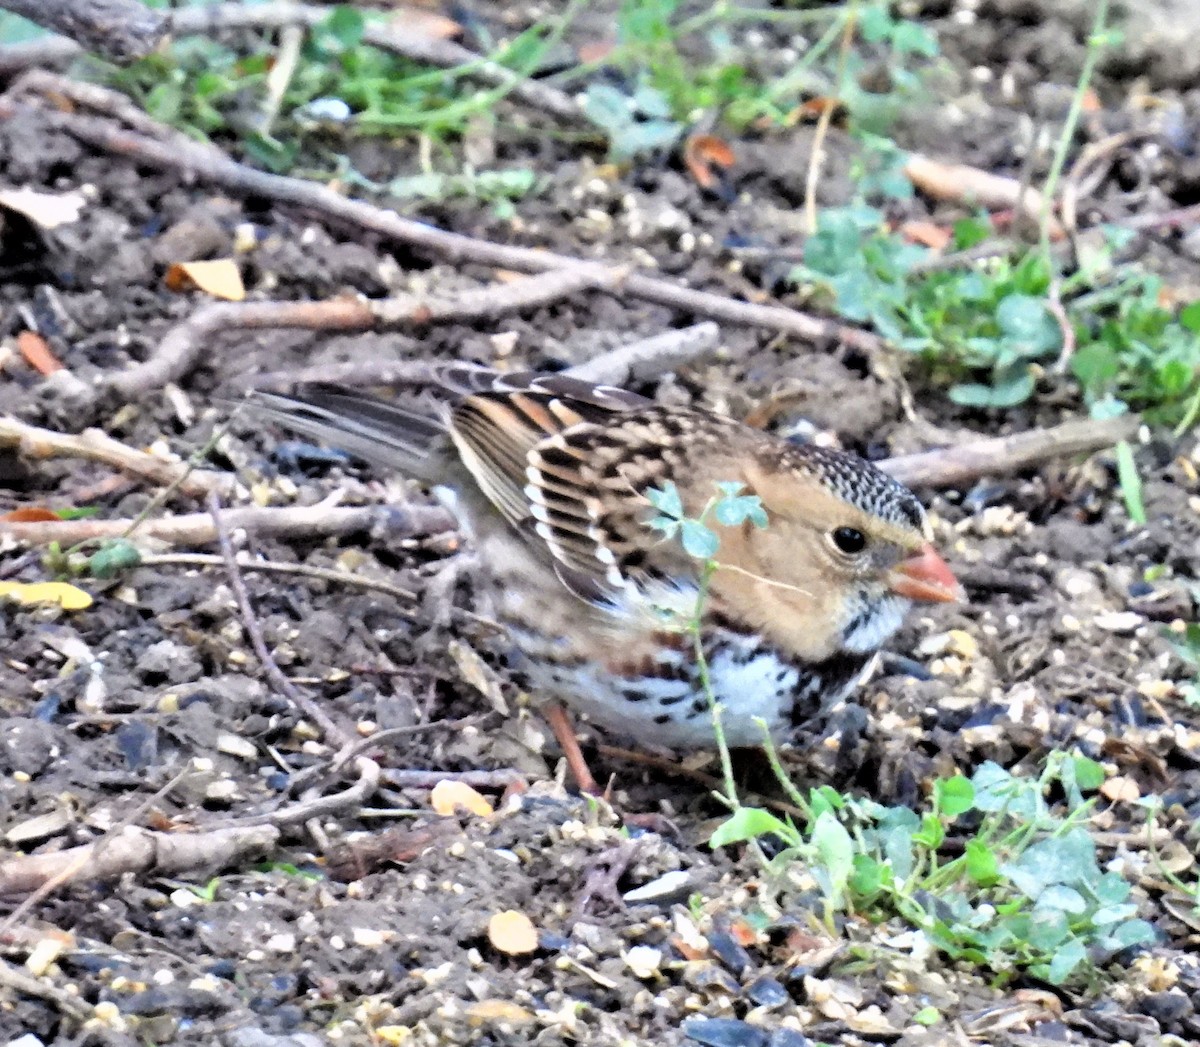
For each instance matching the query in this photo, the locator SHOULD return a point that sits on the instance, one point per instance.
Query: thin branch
(19, 981)
(953, 466)
(186, 344)
(137, 850)
(120, 30)
(651, 357)
(274, 674)
(93, 445)
(286, 522)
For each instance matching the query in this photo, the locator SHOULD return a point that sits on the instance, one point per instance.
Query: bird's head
(845, 553)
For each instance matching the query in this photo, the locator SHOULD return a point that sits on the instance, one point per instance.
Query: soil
(370, 924)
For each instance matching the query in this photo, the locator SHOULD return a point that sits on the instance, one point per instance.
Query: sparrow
(560, 484)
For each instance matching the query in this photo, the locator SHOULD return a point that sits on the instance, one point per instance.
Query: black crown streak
(859, 483)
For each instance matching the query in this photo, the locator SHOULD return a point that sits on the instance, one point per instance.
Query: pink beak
(925, 576)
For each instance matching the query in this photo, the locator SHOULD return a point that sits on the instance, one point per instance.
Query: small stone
(724, 1032)
(670, 887)
(644, 960)
(282, 943)
(1120, 622)
(767, 992)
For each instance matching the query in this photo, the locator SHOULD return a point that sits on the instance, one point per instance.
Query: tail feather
(381, 433)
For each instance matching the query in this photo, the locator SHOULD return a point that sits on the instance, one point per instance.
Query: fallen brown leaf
(701, 153)
(219, 277)
(37, 353)
(512, 932)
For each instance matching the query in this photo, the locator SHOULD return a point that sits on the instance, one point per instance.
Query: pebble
(1122, 622)
(767, 992)
(728, 951)
(724, 1032)
(644, 960)
(670, 887)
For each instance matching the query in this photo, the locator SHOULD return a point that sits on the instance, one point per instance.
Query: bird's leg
(559, 720)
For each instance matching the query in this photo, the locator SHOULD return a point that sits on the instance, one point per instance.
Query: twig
(274, 674)
(421, 779)
(1177, 217)
(71, 1005)
(817, 155)
(93, 445)
(291, 39)
(415, 46)
(651, 357)
(120, 30)
(137, 850)
(951, 466)
(205, 165)
(185, 344)
(323, 806)
(276, 567)
(285, 522)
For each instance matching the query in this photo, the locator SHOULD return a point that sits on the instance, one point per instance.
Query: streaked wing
(529, 442)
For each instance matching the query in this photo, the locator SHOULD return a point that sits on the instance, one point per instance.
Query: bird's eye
(849, 540)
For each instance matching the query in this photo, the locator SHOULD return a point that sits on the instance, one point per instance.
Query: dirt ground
(369, 924)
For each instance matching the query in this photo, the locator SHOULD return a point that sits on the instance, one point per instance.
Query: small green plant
(1024, 892)
(989, 332)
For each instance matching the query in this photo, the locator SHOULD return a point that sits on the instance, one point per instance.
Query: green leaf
(1095, 365)
(1027, 322)
(749, 823)
(1015, 388)
(607, 107)
(1065, 960)
(835, 854)
(1189, 316)
(954, 796)
(113, 558)
(927, 1016)
(1089, 775)
(698, 540)
(982, 866)
(345, 26)
(666, 500)
(970, 232)
(1131, 483)
(1134, 932)
(634, 139)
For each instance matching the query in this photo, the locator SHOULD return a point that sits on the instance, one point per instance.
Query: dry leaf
(68, 597)
(219, 278)
(45, 210)
(596, 51)
(928, 234)
(449, 795)
(490, 1012)
(31, 514)
(512, 932)
(963, 184)
(429, 24)
(37, 353)
(1122, 787)
(701, 153)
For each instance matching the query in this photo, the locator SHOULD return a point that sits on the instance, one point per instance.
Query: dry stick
(120, 30)
(305, 522)
(650, 357)
(186, 344)
(637, 362)
(393, 39)
(950, 466)
(409, 778)
(323, 806)
(19, 981)
(205, 165)
(137, 850)
(281, 683)
(93, 445)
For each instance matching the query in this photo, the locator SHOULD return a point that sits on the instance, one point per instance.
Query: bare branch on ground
(120, 30)
(36, 444)
(137, 850)
(993, 456)
(282, 522)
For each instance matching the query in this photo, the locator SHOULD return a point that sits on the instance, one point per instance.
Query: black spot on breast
(663, 718)
(673, 700)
